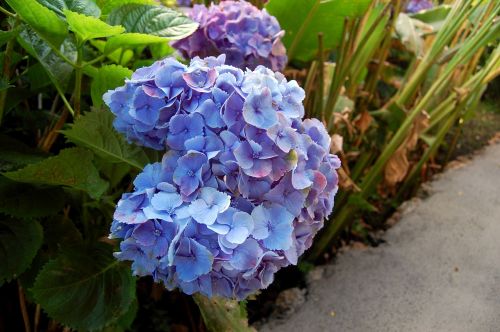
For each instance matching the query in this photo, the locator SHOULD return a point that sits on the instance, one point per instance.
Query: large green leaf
(58, 70)
(44, 21)
(107, 6)
(71, 167)
(88, 27)
(19, 243)
(303, 20)
(154, 20)
(85, 288)
(107, 78)
(26, 201)
(15, 154)
(95, 131)
(129, 40)
(86, 7)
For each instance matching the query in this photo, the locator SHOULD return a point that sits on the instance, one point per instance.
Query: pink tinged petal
(260, 168)
(301, 179)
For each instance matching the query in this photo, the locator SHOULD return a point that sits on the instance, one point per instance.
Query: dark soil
(476, 132)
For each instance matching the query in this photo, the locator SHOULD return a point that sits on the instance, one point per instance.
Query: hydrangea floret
(248, 36)
(244, 185)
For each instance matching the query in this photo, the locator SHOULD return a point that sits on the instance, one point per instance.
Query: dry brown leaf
(343, 117)
(352, 155)
(345, 182)
(495, 139)
(363, 121)
(419, 125)
(337, 144)
(397, 167)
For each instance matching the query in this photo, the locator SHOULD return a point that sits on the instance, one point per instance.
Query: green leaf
(119, 56)
(129, 40)
(113, 172)
(407, 33)
(15, 154)
(159, 51)
(44, 21)
(154, 20)
(303, 20)
(108, 78)
(5, 36)
(124, 322)
(4, 84)
(88, 27)
(434, 16)
(85, 288)
(221, 314)
(85, 7)
(37, 77)
(58, 70)
(95, 131)
(25, 201)
(108, 5)
(19, 243)
(71, 167)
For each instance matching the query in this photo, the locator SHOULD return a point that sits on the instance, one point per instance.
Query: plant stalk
(24, 309)
(78, 81)
(6, 71)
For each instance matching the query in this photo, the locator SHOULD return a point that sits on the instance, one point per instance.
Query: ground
(437, 271)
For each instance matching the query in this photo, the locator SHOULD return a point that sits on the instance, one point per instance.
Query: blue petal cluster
(414, 6)
(245, 183)
(248, 36)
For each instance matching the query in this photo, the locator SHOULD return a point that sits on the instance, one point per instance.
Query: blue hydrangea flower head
(244, 183)
(248, 36)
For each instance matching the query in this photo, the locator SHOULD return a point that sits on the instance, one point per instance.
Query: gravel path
(438, 271)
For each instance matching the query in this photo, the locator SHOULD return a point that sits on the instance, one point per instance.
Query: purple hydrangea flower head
(415, 6)
(183, 3)
(248, 36)
(244, 185)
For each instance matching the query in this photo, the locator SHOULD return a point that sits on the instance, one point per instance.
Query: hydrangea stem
(78, 80)
(6, 72)
(222, 315)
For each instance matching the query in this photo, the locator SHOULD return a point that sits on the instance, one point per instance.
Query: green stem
(78, 80)
(99, 58)
(6, 72)
(222, 314)
(338, 73)
(320, 110)
(6, 12)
